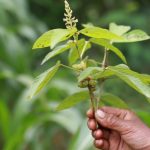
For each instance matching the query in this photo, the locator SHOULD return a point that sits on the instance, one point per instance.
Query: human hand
(118, 129)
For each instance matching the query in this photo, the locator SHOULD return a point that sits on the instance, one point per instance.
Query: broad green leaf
(132, 79)
(134, 36)
(118, 29)
(58, 50)
(113, 100)
(42, 80)
(125, 69)
(52, 37)
(109, 46)
(78, 50)
(107, 72)
(73, 100)
(89, 71)
(97, 32)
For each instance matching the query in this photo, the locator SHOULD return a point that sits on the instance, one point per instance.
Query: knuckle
(111, 120)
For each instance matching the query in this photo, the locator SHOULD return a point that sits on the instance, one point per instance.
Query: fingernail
(100, 114)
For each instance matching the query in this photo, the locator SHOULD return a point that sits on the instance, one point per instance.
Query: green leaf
(78, 50)
(58, 50)
(145, 77)
(134, 36)
(118, 29)
(89, 71)
(109, 46)
(53, 37)
(135, 80)
(42, 80)
(113, 100)
(132, 78)
(104, 74)
(4, 120)
(73, 100)
(97, 32)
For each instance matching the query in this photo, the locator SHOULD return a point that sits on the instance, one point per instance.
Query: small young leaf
(134, 36)
(42, 80)
(52, 37)
(89, 71)
(113, 100)
(97, 32)
(118, 29)
(58, 50)
(109, 46)
(73, 100)
(78, 50)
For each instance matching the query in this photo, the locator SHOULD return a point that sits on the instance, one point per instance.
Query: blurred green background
(34, 125)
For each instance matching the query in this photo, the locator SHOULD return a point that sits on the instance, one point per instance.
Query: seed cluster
(69, 20)
(88, 83)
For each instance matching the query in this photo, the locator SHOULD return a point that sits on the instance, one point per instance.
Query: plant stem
(76, 40)
(92, 97)
(105, 63)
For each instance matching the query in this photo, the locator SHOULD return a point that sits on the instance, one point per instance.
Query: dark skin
(118, 129)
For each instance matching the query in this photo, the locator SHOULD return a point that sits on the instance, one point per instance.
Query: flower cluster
(69, 20)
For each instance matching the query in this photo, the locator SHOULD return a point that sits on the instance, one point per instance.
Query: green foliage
(86, 74)
(132, 36)
(4, 119)
(34, 125)
(97, 32)
(89, 72)
(133, 79)
(43, 79)
(112, 100)
(78, 50)
(58, 50)
(118, 29)
(109, 46)
(53, 37)
(73, 100)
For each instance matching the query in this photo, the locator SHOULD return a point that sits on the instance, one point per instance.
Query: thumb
(110, 121)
